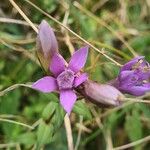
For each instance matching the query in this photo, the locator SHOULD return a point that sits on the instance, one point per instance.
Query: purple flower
(134, 77)
(65, 77)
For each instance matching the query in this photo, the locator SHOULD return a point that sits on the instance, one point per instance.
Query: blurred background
(121, 28)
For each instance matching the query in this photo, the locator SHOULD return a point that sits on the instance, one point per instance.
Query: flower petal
(147, 85)
(78, 59)
(129, 65)
(127, 78)
(67, 99)
(79, 80)
(124, 75)
(57, 64)
(47, 39)
(137, 90)
(46, 84)
(143, 75)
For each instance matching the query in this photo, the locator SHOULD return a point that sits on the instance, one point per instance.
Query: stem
(15, 21)
(13, 87)
(133, 143)
(79, 134)
(24, 16)
(8, 145)
(135, 100)
(68, 132)
(15, 122)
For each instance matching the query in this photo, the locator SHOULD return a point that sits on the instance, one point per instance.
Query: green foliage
(53, 116)
(18, 64)
(58, 117)
(49, 110)
(27, 139)
(81, 109)
(44, 134)
(133, 126)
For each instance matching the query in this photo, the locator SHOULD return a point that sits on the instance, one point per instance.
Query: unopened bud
(46, 44)
(101, 94)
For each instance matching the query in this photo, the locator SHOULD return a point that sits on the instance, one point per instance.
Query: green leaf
(58, 117)
(44, 134)
(133, 126)
(81, 108)
(112, 120)
(11, 99)
(49, 110)
(9, 104)
(26, 138)
(145, 109)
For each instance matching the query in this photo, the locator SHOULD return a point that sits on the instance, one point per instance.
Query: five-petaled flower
(66, 77)
(134, 77)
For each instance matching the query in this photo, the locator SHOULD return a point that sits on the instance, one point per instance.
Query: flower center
(65, 80)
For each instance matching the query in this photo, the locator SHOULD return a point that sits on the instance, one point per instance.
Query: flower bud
(101, 94)
(46, 44)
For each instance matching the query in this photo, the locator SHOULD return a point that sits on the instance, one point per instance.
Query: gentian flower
(134, 77)
(66, 77)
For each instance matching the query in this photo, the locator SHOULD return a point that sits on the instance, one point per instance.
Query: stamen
(138, 64)
(146, 69)
(145, 81)
(140, 61)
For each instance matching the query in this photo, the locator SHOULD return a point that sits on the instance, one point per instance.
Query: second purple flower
(134, 77)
